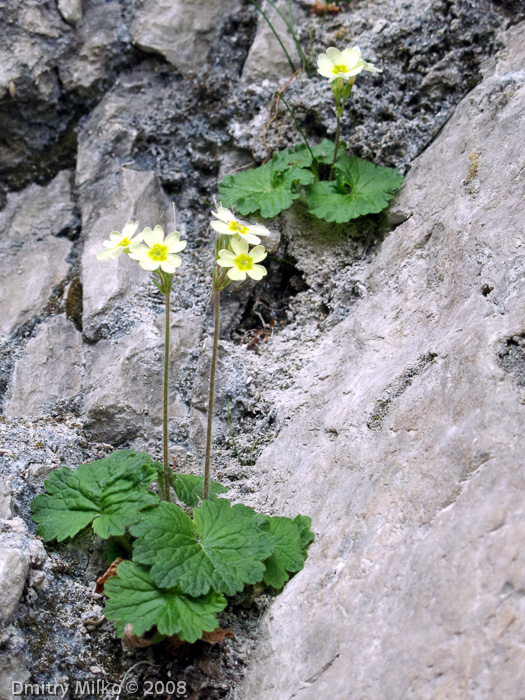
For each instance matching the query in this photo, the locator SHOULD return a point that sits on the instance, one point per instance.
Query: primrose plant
(173, 563)
(336, 187)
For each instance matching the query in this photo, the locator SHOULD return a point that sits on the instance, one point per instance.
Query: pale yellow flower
(242, 261)
(343, 64)
(120, 242)
(229, 225)
(158, 251)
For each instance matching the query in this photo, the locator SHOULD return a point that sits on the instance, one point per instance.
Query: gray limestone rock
(32, 228)
(48, 372)
(71, 10)
(14, 567)
(13, 672)
(111, 284)
(98, 36)
(381, 383)
(180, 31)
(266, 59)
(123, 381)
(6, 506)
(402, 443)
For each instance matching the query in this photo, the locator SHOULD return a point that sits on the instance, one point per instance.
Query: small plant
(337, 187)
(177, 568)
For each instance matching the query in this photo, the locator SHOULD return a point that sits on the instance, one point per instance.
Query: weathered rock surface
(71, 10)
(182, 32)
(421, 333)
(110, 285)
(406, 444)
(99, 35)
(33, 229)
(55, 351)
(12, 670)
(266, 59)
(6, 506)
(14, 566)
(124, 376)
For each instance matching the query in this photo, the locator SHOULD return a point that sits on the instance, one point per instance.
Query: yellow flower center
(158, 252)
(339, 69)
(243, 262)
(238, 228)
(124, 243)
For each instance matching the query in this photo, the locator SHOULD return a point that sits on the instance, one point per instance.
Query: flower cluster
(234, 252)
(156, 252)
(151, 248)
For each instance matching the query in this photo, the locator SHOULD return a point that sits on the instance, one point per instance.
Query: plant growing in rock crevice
(336, 187)
(179, 567)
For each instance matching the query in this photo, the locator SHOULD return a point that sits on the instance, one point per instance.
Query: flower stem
(216, 293)
(263, 13)
(298, 126)
(337, 137)
(166, 367)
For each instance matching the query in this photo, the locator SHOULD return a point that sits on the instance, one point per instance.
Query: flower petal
(221, 227)
(106, 254)
(371, 68)
(326, 73)
(138, 252)
(166, 267)
(136, 239)
(258, 253)
(259, 230)
(158, 235)
(257, 272)
(173, 260)
(251, 238)
(239, 246)
(223, 214)
(354, 71)
(173, 237)
(236, 274)
(149, 264)
(129, 229)
(147, 235)
(116, 236)
(176, 246)
(352, 57)
(225, 262)
(335, 56)
(323, 62)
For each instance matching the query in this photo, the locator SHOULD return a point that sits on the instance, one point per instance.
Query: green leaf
(224, 547)
(324, 151)
(291, 538)
(361, 188)
(299, 157)
(190, 488)
(270, 188)
(135, 599)
(109, 493)
(304, 523)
